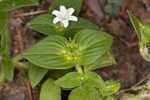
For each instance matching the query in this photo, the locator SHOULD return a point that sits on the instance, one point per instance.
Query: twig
(133, 35)
(133, 44)
(21, 45)
(135, 87)
(32, 13)
(29, 90)
(140, 82)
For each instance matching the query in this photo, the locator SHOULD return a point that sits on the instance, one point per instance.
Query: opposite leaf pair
(57, 52)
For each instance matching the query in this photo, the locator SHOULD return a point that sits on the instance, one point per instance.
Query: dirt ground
(130, 67)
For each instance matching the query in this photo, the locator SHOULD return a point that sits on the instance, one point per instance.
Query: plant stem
(17, 58)
(19, 64)
(2, 77)
(79, 69)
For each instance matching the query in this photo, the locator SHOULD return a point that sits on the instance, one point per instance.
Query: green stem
(2, 77)
(17, 58)
(79, 69)
(19, 64)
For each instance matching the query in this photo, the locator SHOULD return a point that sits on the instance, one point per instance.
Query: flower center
(72, 52)
(64, 16)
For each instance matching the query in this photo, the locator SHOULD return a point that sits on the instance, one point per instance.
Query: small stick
(136, 87)
(133, 44)
(29, 90)
(21, 45)
(32, 13)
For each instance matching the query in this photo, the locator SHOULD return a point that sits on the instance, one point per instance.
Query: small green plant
(66, 58)
(113, 7)
(141, 92)
(142, 29)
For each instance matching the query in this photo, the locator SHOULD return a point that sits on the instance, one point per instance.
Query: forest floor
(130, 69)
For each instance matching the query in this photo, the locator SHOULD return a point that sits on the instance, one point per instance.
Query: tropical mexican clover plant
(66, 58)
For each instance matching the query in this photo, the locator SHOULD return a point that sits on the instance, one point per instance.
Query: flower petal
(56, 20)
(56, 13)
(63, 9)
(65, 23)
(70, 11)
(73, 18)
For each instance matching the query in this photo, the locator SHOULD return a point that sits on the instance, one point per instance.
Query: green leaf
(3, 21)
(93, 80)
(56, 52)
(111, 88)
(76, 4)
(55, 74)
(75, 79)
(135, 22)
(106, 60)
(7, 65)
(2, 77)
(8, 5)
(82, 93)
(112, 9)
(8, 68)
(50, 91)
(75, 27)
(142, 29)
(70, 80)
(92, 44)
(36, 74)
(110, 98)
(43, 24)
(48, 53)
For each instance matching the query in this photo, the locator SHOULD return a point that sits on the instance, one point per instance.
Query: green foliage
(111, 88)
(110, 98)
(7, 65)
(3, 21)
(93, 44)
(113, 6)
(43, 24)
(106, 60)
(48, 53)
(76, 4)
(8, 5)
(65, 58)
(50, 91)
(112, 9)
(143, 32)
(93, 80)
(58, 53)
(2, 76)
(55, 74)
(8, 68)
(75, 79)
(36, 74)
(83, 93)
(70, 80)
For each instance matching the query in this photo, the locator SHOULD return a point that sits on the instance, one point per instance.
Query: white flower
(64, 16)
